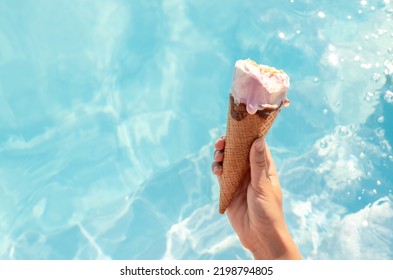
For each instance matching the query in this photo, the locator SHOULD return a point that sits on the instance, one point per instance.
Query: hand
(256, 212)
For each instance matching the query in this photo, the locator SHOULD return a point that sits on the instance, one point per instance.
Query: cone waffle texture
(242, 130)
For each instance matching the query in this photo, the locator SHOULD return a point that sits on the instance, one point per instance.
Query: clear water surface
(109, 111)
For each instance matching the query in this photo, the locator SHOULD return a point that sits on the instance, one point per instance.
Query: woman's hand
(256, 212)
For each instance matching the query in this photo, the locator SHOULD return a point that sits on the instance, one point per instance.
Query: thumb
(258, 164)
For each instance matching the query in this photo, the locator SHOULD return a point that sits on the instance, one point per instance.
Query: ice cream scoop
(258, 86)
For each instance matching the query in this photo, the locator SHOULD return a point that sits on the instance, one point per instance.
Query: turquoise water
(109, 111)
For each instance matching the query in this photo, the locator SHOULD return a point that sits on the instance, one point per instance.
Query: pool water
(109, 111)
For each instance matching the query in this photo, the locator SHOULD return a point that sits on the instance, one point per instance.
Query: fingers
(217, 168)
(259, 164)
(218, 156)
(263, 169)
(220, 143)
(272, 171)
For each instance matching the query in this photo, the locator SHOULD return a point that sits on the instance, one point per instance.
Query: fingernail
(260, 145)
(215, 169)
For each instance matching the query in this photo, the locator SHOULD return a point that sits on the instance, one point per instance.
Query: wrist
(277, 245)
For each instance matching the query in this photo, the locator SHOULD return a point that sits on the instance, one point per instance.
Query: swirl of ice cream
(259, 86)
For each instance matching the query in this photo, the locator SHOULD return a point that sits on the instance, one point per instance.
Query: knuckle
(260, 162)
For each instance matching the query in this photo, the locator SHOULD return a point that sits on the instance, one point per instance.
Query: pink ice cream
(259, 86)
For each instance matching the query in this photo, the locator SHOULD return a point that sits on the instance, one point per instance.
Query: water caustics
(109, 112)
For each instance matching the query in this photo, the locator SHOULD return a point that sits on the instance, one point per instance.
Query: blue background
(109, 111)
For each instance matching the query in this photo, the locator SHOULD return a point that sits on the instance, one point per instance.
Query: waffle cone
(242, 130)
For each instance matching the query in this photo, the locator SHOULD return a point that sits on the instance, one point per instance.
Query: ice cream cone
(242, 129)
(254, 86)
